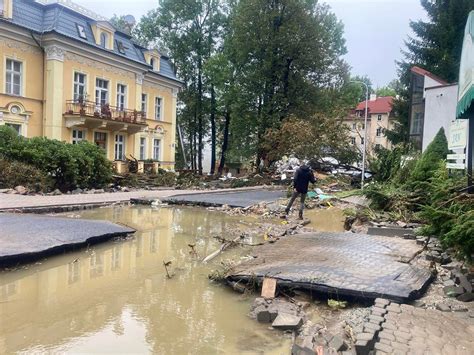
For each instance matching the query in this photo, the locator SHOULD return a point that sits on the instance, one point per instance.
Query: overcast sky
(374, 29)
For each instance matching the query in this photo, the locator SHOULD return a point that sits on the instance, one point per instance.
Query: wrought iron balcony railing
(106, 112)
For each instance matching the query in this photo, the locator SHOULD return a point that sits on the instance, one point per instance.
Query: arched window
(103, 39)
(152, 63)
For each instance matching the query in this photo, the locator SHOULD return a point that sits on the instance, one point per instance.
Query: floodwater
(116, 298)
(326, 220)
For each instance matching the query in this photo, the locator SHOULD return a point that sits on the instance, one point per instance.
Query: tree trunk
(213, 130)
(199, 113)
(225, 142)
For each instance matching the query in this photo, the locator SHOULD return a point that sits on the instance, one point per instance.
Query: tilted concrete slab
(233, 199)
(343, 264)
(24, 237)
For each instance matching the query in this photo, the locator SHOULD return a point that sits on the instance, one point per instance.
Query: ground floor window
(156, 149)
(119, 147)
(353, 140)
(16, 127)
(100, 139)
(142, 148)
(78, 136)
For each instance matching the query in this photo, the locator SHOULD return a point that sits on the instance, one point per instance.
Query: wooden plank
(269, 287)
(460, 166)
(456, 156)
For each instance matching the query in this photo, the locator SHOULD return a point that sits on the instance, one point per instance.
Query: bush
(14, 173)
(450, 214)
(83, 165)
(426, 166)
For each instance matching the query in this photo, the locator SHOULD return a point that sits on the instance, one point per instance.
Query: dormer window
(103, 40)
(152, 63)
(104, 34)
(80, 30)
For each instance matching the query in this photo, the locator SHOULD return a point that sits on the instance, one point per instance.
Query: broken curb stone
(285, 321)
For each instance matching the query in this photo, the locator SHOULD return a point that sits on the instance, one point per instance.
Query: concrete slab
(344, 264)
(233, 199)
(25, 237)
(390, 231)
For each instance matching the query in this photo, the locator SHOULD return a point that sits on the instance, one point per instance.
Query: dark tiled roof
(57, 18)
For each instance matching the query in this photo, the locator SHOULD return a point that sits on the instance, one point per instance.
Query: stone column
(53, 93)
(138, 107)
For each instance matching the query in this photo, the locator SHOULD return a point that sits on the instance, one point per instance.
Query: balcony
(86, 114)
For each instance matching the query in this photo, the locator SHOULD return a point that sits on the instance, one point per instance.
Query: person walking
(303, 176)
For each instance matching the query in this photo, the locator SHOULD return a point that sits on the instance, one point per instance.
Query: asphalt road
(231, 198)
(24, 237)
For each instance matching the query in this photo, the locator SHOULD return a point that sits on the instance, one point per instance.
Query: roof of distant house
(63, 17)
(381, 104)
(424, 72)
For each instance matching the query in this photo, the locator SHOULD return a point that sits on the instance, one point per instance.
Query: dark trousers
(293, 198)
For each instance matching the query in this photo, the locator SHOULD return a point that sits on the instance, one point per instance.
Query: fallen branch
(223, 247)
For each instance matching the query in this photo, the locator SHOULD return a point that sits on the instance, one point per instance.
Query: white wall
(440, 110)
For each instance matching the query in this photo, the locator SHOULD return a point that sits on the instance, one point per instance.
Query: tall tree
(437, 43)
(190, 31)
(436, 46)
(286, 53)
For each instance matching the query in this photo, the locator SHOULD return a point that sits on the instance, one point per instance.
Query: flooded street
(116, 298)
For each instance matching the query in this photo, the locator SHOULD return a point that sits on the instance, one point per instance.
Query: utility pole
(364, 145)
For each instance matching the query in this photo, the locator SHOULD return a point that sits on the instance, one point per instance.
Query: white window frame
(121, 97)
(142, 146)
(77, 85)
(378, 132)
(144, 103)
(104, 38)
(75, 139)
(99, 90)
(157, 149)
(353, 140)
(158, 108)
(10, 74)
(379, 117)
(362, 140)
(119, 145)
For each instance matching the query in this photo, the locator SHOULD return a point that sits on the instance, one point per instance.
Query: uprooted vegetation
(422, 190)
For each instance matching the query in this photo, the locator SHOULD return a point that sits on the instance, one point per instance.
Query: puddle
(116, 298)
(326, 220)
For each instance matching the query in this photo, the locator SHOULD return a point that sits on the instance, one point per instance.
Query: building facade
(421, 80)
(379, 119)
(68, 74)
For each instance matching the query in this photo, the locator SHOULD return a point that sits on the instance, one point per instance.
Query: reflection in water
(115, 297)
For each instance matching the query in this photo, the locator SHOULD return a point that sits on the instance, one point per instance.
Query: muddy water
(326, 220)
(116, 298)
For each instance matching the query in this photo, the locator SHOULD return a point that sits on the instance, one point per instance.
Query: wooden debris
(269, 288)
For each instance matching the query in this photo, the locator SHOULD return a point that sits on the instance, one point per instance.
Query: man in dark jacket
(303, 176)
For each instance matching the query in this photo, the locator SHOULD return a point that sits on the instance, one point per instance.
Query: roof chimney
(373, 97)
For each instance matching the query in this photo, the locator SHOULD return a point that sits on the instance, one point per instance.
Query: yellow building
(379, 120)
(68, 74)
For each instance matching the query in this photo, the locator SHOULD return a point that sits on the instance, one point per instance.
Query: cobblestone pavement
(15, 201)
(340, 263)
(403, 329)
